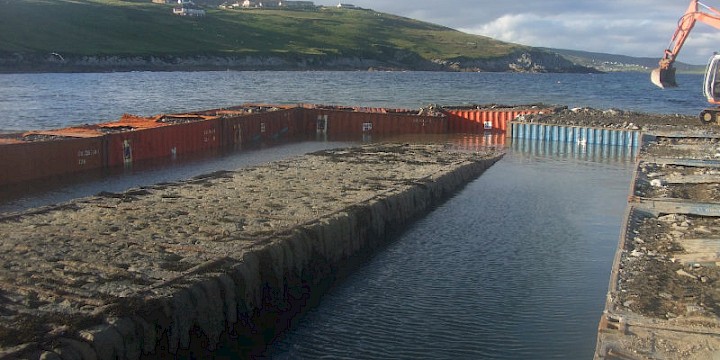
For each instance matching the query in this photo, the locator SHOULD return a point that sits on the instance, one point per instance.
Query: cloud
(637, 28)
(619, 33)
(580, 31)
(703, 46)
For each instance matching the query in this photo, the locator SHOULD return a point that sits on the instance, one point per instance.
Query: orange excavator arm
(664, 75)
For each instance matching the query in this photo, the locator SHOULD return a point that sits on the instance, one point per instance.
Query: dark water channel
(515, 266)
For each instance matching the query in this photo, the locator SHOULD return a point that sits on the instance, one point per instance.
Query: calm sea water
(515, 266)
(41, 101)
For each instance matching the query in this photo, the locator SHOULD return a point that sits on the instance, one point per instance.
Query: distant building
(164, 1)
(347, 6)
(276, 4)
(269, 3)
(234, 5)
(187, 11)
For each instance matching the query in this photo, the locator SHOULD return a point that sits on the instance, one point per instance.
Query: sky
(636, 28)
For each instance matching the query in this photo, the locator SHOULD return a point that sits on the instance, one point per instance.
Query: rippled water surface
(40, 101)
(515, 266)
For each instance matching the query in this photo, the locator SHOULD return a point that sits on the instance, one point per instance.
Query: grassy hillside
(142, 28)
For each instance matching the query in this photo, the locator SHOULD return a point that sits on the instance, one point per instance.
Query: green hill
(141, 34)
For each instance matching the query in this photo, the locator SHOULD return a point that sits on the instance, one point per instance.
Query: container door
(321, 125)
(127, 152)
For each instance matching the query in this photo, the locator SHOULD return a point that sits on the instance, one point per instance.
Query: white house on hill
(186, 11)
(276, 4)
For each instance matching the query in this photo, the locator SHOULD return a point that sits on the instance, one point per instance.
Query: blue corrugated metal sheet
(592, 152)
(575, 134)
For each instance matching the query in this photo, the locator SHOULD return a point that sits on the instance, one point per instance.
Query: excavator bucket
(663, 78)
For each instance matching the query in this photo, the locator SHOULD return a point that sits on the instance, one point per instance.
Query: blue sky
(636, 28)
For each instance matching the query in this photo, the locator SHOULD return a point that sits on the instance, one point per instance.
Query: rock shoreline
(228, 257)
(618, 119)
(530, 60)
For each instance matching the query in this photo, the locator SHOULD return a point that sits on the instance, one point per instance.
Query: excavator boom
(664, 75)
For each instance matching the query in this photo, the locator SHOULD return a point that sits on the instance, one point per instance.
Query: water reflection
(566, 150)
(527, 147)
(515, 266)
(462, 142)
(46, 192)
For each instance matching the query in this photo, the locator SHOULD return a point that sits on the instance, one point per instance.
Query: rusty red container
(342, 122)
(279, 125)
(30, 160)
(246, 128)
(126, 147)
(311, 119)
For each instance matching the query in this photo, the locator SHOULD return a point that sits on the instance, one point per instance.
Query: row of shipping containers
(479, 119)
(339, 122)
(43, 154)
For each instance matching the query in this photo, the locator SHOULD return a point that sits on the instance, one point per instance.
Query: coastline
(525, 61)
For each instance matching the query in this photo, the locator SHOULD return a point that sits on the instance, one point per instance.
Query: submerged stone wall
(226, 259)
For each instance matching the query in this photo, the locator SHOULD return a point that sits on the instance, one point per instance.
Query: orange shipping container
(478, 120)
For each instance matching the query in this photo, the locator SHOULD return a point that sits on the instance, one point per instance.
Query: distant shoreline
(520, 62)
(160, 70)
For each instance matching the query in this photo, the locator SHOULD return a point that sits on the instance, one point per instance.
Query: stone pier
(227, 258)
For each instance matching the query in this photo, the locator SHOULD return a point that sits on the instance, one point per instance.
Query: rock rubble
(663, 301)
(614, 119)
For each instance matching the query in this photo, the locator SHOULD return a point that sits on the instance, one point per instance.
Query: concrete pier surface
(664, 293)
(229, 257)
